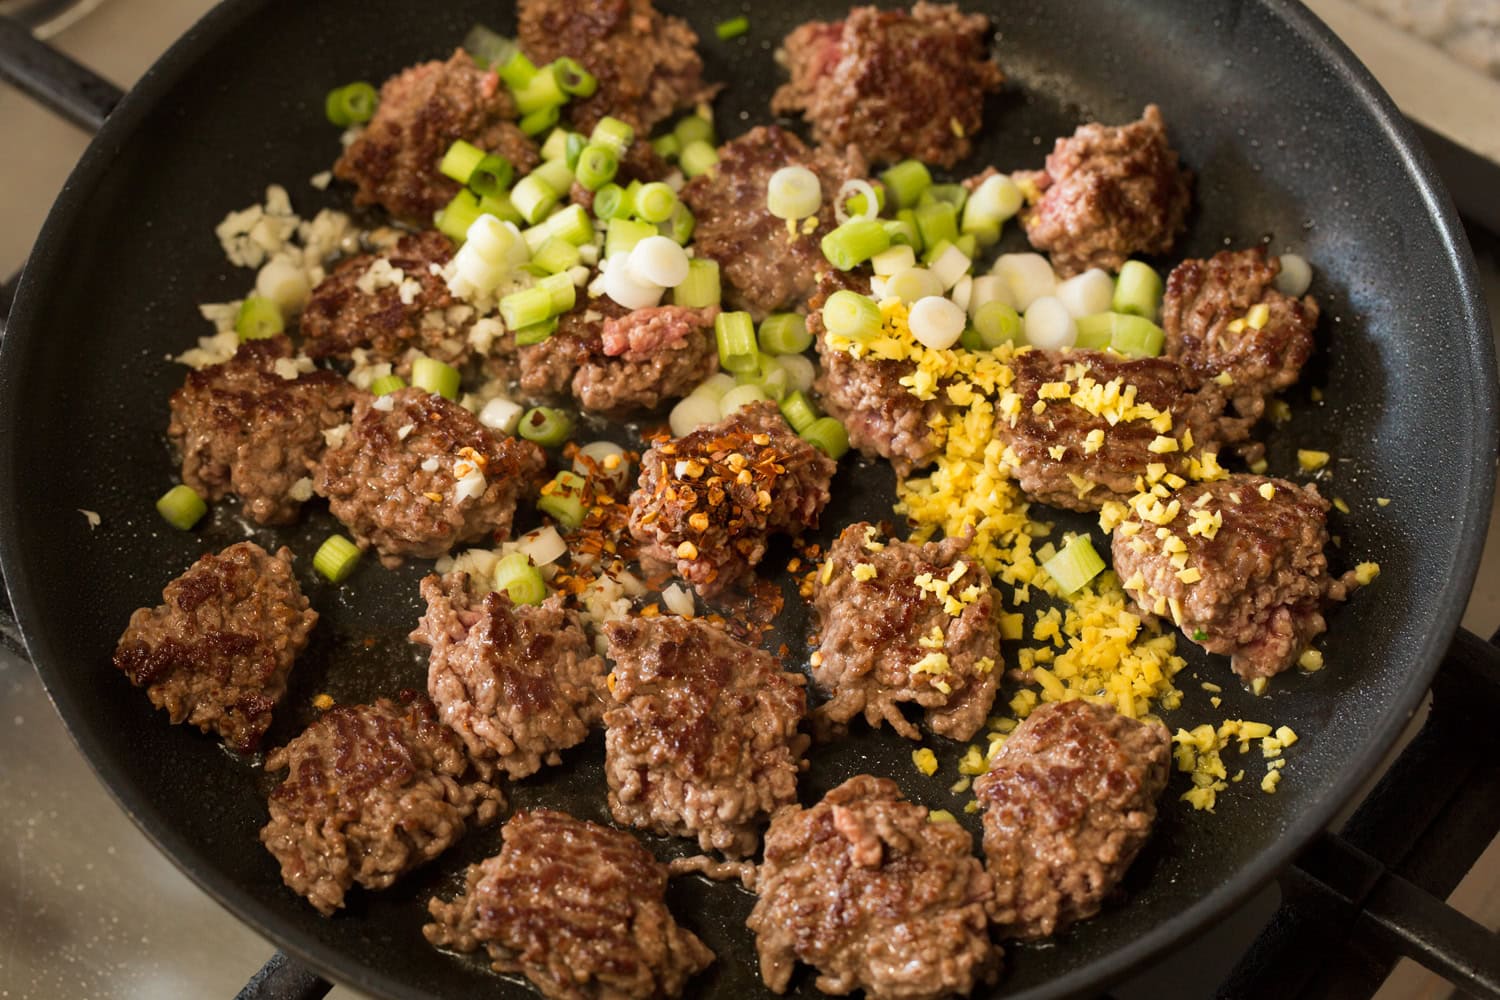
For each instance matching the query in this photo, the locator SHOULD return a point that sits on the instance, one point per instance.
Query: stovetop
(89, 908)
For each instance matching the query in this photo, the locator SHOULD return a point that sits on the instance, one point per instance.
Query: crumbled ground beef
(548, 368)
(647, 357)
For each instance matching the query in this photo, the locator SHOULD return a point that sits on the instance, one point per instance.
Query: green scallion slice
(970, 340)
(556, 255)
(794, 192)
(1074, 565)
(489, 48)
(596, 166)
(501, 207)
(681, 224)
(387, 384)
(953, 194)
(614, 134)
(351, 104)
(258, 319)
(517, 71)
(521, 309)
(827, 434)
(521, 581)
(850, 314)
(798, 412)
(1136, 337)
(855, 242)
(936, 222)
(562, 500)
(732, 28)
(701, 288)
(997, 323)
(694, 128)
(455, 218)
(556, 146)
(855, 206)
(654, 202)
(1094, 332)
(556, 175)
(182, 507)
(573, 78)
(903, 232)
(907, 217)
(666, 146)
(336, 558)
(546, 426)
(536, 333)
(540, 120)
(533, 197)
(460, 160)
(906, 182)
(491, 177)
(561, 290)
(623, 234)
(435, 377)
(610, 203)
(541, 91)
(697, 157)
(573, 149)
(784, 333)
(1137, 290)
(734, 335)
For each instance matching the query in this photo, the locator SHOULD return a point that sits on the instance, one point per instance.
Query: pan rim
(48, 256)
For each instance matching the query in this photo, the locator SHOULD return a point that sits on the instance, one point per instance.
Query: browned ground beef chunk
(371, 792)
(1109, 192)
(1068, 802)
(242, 428)
(701, 739)
(394, 479)
(646, 63)
(895, 84)
(647, 357)
(577, 908)
(216, 653)
(1097, 460)
(1264, 578)
(423, 109)
(1205, 297)
(865, 889)
(764, 268)
(547, 368)
(708, 502)
(889, 639)
(517, 683)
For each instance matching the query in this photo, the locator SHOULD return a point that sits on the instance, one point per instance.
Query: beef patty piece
(1224, 319)
(577, 908)
(548, 368)
(701, 739)
(864, 888)
(1106, 193)
(371, 792)
(1068, 802)
(708, 502)
(417, 474)
(765, 267)
(1104, 422)
(216, 653)
(903, 622)
(896, 84)
(517, 683)
(647, 357)
(1261, 578)
(647, 64)
(423, 109)
(244, 427)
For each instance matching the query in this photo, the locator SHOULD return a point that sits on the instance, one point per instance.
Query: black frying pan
(1291, 141)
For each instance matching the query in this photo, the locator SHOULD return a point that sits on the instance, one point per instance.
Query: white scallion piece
(962, 292)
(1048, 324)
(1087, 294)
(715, 386)
(898, 258)
(794, 193)
(622, 286)
(800, 371)
(936, 322)
(1028, 276)
(285, 284)
(950, 266)
(988, 288)
(500, 414)
(608, 460)
(492, 239)
(678, 601)
(740, 395)
(692, 413)
(471, 485)
(1295, 277)
(481, 274)
(848, 191)
(543, 546)
(658, 260)
(913, 284)
(878, 288)
(997, 198)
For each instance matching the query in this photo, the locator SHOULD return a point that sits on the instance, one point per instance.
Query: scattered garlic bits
(1200, 752)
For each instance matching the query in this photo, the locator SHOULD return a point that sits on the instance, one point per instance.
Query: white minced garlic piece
(501, 415)
(213, 350)
(936, 322)
(1087, 294)
(542, 546)
(333, 437)
(404, 431)
(483, 334)
(301, 491)
(380, 274)
(1029, 277)
(430, 465)
(384, 403)
(1048, 324)
(92, 517)
(1295, 276)
(469, 481)
(291, 368)
(678, 601)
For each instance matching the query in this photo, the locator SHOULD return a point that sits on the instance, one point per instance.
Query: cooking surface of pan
(1289, 142)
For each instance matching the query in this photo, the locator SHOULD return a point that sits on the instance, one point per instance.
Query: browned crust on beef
(243, 429)
(577, 908)
(423, 109)
(1068, 803)
(647, 64)
(518, 684)
(764, 268)
(377, 487)
(1109, 192)
(217, 651)
(701, 739)
(371, 792)
(872, 634)
(754, 478)
(896, 84)
(1265, 578)
(864, 888)
(548, 368)
(680, 355)
(1204, 297)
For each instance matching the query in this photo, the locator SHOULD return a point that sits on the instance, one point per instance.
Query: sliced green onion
(541, 91)
(533, 197)
(694, 128)
(614, 134)
(573, 78)
(526, 308)
(182, 507)
(912, 284)
(794, 193)
(828, 435)
(784, 333)
(596, 166)
(500, 206)
(258, 319)
(517, 71)
(1137, 290)
(903, 232)
(536, 333)
(1136, 337)
(741, 396)
(352, 104)
(997, 198)
(540, 120)
(435, 376)
(562, 499)
(907, 217)
(556, 255)
(970, 340)
(850, 314)
(556, 146)
(460, 160)
(556, 175)
(562, 291)
(489, 48)
(855, 242)
(1095, 332)
(387, 384)
(732, 28)
(546, 426)
(986, 232)
(491, 177)
(855, 206)
(953, 194)
(654, 202)
(697, 157)
(937, 222)
(734, 335)
(623, 234)
(776, 382)
(906, 182)
(610, 203)
(997, 323)
(336, 558)
(968, 244)
(573, 149)
(1074, 565)
(521, 581)
(666, 146)
(571, 224)
(681, 224)
(455, 218)
(701, 288)
(798, 412)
